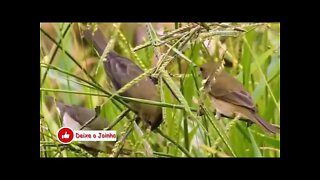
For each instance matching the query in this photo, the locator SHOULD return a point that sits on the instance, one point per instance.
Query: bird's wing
(120, 70)
(239, 98)
(224, 89)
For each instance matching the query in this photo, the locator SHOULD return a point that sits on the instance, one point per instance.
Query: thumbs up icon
(66, 135)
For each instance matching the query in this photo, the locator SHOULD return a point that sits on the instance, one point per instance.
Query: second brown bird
(230, 98)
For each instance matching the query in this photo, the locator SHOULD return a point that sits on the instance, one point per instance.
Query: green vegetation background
(256, 58)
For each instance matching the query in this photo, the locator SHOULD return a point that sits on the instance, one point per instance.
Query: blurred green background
(252, 56)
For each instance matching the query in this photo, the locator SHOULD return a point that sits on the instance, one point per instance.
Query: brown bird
(121, 71)
(230, 98)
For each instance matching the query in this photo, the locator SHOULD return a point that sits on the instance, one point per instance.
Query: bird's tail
(99, 42)
(97, 39)
(266, 126)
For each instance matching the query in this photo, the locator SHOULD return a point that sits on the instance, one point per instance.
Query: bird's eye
(201, 68)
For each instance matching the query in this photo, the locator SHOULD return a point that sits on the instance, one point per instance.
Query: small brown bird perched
(230, 98)
(121, 71)
(75, 117)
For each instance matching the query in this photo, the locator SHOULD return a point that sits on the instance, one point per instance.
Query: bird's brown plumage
(229, 96)
(121, 71)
